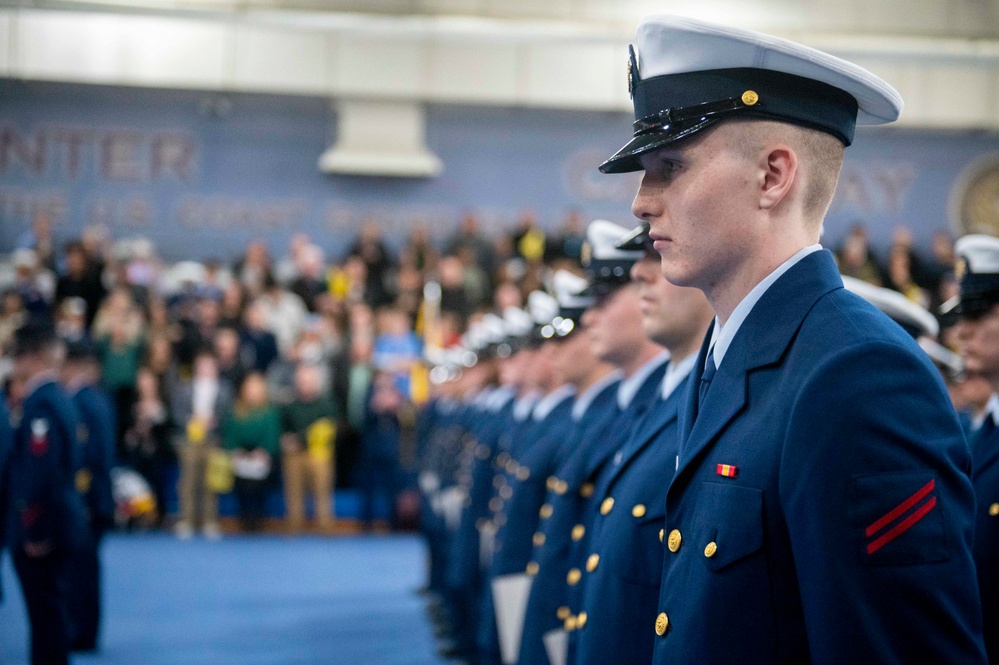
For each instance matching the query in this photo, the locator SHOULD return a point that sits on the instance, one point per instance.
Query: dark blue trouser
(45, 584)
(84, 602)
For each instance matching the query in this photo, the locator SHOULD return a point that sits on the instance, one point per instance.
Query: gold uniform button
(546, 511)
(710, 550)
(506, 492)
(511, 466)
(539, 539)
(578, 532)
(749, 98)
(523, 473)
(573, 577)
(638, 510)
(562, 613)
(533, 568)
(662, 623)
(580, 620)
(569, 624)
(662, 534)
(607, 505)
(561, 487)
(550, 483)
(673, 543)
(592, 562)
(586, 491)
(994, 510)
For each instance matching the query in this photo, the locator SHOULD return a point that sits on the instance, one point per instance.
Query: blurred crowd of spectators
(302, 366)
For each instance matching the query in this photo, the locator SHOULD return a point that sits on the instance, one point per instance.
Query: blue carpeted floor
(251, 601)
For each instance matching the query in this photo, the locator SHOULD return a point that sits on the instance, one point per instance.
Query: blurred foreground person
(308, 438)
(978, 335)
(96, 457)
(46, 519)
(252, 434)
(6, 444)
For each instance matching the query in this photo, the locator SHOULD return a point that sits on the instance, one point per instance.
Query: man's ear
(780, 169)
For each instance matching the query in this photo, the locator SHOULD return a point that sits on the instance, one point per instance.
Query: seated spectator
(227, 354)
(252, 268)
(855, 257)
(232, 304)
(71, 320)
(160, 361)
(310, 281)
(147, 441)
(198, 407)
(258, 346)
(80, 281)
(308, 435)
(397, 348)
(252, 433)
(284, 312)
(34, 283)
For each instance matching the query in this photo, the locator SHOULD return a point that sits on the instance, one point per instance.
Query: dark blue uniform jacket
(822, 508)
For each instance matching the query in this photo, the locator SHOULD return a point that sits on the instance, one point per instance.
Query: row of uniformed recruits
(558, 507)
(569, 425)
(56, 453)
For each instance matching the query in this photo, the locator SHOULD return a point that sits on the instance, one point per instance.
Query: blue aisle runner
(251, 601)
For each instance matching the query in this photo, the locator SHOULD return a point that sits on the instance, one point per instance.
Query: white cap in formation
(543, 307)
(688, 75)
(916, 320)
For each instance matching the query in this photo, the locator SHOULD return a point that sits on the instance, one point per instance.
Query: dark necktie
(984, 433)
(709, 373)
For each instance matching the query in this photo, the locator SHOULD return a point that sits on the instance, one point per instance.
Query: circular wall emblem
(975, 198)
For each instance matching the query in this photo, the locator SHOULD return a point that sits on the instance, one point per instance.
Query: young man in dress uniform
(821, 510)
(620, 587)
(96, 449)
(46, 522)
(978, 334)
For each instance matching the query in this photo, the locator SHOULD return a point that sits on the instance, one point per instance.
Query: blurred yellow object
(83, 481)
(219, 476)
(532, 245)
(143, 505)
(319, 439)
(196, 431)
(419, 384)
(338, 284)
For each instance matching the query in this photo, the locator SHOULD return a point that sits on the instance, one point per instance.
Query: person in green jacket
(252, 433)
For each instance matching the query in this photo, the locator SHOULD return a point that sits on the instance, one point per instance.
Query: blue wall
(202, 177)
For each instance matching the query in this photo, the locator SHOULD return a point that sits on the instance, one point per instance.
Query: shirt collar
(500, 397)
(44, 377)
(547, 403)
(630, 385)
(585, 399)
(721, 337)
(676, 372)
(991, 409)
(522, 407)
